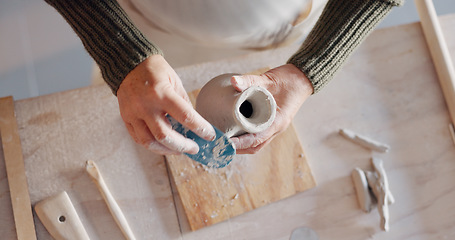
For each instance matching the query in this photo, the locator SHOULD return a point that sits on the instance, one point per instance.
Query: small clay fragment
(377, 182)
(372, 178)
(361, 188)
(364, 141)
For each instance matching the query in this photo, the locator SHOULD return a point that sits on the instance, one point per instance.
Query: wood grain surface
(212, 195)
(15, 169)
(439, 52)
(66, 129)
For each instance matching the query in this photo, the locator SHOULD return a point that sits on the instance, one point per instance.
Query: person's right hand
(149, 92)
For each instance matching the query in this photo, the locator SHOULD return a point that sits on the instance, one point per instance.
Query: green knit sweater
(118, 46)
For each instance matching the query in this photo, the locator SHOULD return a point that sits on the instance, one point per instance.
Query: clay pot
(236, 113)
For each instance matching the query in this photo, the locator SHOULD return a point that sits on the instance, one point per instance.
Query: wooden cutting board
(211, 195)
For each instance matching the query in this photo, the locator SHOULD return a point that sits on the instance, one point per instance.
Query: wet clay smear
(215, 154)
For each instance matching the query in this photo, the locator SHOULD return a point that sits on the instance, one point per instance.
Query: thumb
(242, 82)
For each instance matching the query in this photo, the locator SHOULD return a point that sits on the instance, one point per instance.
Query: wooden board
(211, 195)
(15, 170)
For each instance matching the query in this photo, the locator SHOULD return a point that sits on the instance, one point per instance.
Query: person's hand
(290, 88)
(149, 92)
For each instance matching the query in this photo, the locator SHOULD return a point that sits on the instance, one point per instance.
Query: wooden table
(388, 90)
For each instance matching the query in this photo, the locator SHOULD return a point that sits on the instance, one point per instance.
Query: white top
(233, 23)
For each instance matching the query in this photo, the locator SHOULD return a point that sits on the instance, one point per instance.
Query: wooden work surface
(209, 196)
(388, 90)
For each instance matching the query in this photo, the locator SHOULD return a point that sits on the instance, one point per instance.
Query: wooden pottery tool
(15, 170)
(115, 210)
(60, 218)
(439, 53)
(217, 153)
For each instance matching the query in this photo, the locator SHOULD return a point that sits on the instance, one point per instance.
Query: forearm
(342, 26)
(110, 37)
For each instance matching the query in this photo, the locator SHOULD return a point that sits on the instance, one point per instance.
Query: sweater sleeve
(109, 36)
(342, 26)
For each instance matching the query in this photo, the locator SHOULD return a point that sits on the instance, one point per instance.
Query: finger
(178, 85)
(131, 131)
(254, 150)
(164, 134)
(184, 113)
(181, 90)
(159, 148)
(146, 139)
(184, 95)
(240, 144)
(250, 140)
(242, 82)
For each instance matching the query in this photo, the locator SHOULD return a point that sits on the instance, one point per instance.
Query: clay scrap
(364, 141)
(372, 188)
(361, 187)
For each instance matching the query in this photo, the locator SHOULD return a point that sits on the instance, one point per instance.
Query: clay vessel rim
(255, 125)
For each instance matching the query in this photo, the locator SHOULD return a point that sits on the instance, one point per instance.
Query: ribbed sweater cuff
(342, 26)
(110, 37)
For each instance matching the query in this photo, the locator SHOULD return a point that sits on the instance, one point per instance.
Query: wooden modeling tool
(439, 53)
(115, 210)
(15, 171)
(60, 218)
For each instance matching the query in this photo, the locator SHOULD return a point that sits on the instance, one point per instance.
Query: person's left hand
(290, 88)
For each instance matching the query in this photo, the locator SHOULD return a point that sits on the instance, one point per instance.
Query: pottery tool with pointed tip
(60, 218)
(217, 153)
(115, 210)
